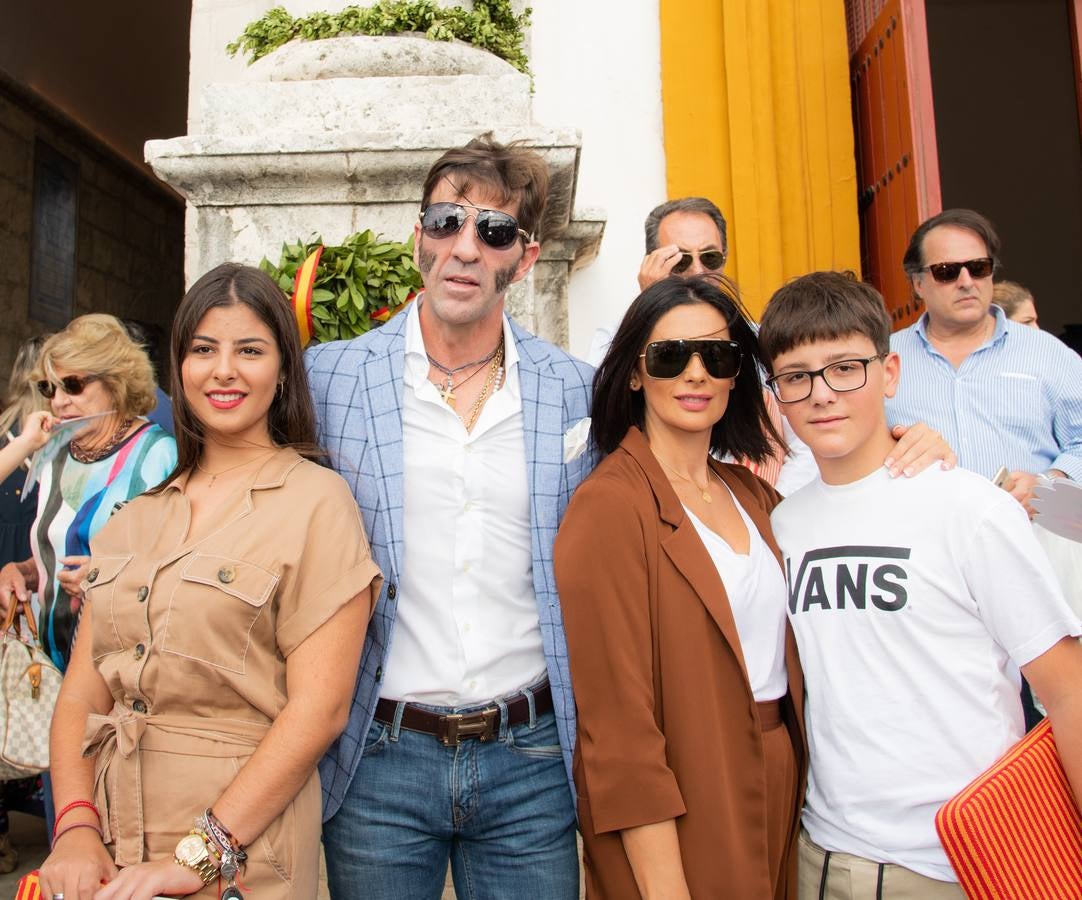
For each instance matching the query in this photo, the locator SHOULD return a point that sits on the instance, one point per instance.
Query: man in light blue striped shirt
(1001, 394)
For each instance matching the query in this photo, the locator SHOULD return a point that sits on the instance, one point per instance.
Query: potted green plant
(341, 291)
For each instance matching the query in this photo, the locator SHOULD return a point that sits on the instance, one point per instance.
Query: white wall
(597, 66)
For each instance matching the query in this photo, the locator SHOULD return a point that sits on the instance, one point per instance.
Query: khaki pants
(854, 878)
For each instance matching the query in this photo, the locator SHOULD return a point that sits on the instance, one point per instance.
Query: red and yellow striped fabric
(28, 888)
(1015, 832)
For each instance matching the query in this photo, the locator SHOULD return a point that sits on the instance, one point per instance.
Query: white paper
(1058, 507)
(59, 437)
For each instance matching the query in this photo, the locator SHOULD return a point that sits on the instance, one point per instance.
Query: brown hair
(291, 418)
(22, 397)
(1010, 295)
(511, 171)
(913, 261)
(98, 344)
(823, 306)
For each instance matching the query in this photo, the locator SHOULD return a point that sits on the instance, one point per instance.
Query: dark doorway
(1008, 132)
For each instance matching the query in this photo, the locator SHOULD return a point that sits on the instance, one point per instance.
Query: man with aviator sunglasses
(451, 423)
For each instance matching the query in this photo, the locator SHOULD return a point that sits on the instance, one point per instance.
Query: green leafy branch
(358, 282)
(491, 25)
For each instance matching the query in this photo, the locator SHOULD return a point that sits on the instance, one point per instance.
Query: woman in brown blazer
(690, 760)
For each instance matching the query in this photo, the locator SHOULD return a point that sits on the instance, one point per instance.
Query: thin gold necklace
(705, 491)
(495, 375)
(214, 475)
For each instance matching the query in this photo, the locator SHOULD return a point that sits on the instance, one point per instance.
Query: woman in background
(1017, 302)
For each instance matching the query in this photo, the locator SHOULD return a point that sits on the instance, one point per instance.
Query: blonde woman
(91, 368)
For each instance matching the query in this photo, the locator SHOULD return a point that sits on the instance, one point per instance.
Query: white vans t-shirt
(914, 601)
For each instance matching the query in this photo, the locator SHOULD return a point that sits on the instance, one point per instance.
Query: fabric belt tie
(769, 714)
(121, 736)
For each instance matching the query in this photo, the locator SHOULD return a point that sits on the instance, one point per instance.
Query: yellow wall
(757, 117)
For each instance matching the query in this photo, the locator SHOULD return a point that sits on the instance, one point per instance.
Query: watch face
(191, 849)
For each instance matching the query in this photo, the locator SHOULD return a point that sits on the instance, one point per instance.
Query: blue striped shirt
(1015, 401)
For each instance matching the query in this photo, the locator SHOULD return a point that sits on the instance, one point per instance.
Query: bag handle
(15, 607)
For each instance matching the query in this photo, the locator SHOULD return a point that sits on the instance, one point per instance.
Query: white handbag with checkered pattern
(29, 685)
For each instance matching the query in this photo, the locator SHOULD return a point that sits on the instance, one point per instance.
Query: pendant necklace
(447, 391)
(704, 491)
(214, 475)
(493, 381)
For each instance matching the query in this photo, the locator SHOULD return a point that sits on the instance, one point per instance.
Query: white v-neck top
(755, 585)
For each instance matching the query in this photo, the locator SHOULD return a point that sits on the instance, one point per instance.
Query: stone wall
(130, 232)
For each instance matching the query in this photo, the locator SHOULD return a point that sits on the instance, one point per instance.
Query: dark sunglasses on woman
(72, 385)
(948, 272)
(712, 260)
(496, 229)
(668, 359)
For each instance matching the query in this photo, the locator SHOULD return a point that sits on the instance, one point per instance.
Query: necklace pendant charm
(447, 393)
(707, 498)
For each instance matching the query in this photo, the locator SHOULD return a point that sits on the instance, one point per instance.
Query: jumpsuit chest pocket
(101, 588)
(215, 606)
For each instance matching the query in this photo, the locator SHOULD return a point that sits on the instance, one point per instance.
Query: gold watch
(192, 853)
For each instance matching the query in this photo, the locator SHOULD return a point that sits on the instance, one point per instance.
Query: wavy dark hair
(291, 418)
(745, 431)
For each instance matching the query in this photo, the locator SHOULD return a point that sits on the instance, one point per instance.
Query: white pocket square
(575, 440)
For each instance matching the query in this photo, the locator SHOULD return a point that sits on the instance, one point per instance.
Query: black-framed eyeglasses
(712, 260)
(842, 376)
(498, 230)
(668, 359)
(948, 272)
(72, 385)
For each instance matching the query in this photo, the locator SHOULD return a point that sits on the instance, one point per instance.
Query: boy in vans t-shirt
(915, 602)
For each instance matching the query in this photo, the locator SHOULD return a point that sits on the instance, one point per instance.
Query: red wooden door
(897, 165)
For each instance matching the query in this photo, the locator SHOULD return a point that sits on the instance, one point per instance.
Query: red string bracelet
(75, 804)
(72, 827)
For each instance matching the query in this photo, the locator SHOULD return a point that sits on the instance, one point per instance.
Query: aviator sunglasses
(948, 272)
(496, 229)
(713, 260)
(668, 359)
(72, 385)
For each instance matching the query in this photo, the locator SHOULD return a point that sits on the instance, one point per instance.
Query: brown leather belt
(769, 714)
(451, 730)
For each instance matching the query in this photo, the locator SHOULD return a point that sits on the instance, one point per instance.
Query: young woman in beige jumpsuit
(226, 612)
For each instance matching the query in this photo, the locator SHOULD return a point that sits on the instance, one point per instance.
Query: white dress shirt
(467, 628)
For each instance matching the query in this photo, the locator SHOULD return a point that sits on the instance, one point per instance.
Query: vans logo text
(847, 586)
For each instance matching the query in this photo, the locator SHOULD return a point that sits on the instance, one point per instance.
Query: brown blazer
(667, 724)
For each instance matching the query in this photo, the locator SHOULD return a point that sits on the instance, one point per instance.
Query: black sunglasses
(497, 229)
(668, 359)
(72, 385)
(713, 260)
(948, 272)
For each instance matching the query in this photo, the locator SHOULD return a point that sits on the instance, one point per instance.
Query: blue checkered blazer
(357, 388)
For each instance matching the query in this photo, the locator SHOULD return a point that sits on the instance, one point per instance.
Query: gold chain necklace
(495, 374)
(705, 491)
(214, 475)
(93, 454)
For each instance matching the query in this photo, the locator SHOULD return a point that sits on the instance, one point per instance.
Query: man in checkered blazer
(461, 436)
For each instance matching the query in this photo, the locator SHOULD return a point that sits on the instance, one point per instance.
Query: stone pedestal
(331, 137)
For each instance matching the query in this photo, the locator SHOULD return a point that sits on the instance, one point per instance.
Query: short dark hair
(822, 306)
(291, 419)
(745, 431)
(913, 261)
(512, 171)
(685, 205)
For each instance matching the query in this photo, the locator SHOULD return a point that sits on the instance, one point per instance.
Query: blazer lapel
(382, 384)
(685, 548)
(542, 427)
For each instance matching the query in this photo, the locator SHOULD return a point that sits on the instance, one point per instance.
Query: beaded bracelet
(75, 804)
(59, 834)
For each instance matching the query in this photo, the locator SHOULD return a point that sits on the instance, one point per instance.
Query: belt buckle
(455, 727)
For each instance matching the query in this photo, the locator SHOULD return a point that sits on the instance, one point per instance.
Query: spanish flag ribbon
(302, 295)
(385, 313)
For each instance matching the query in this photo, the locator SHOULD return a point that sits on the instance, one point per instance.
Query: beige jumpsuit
(192, 640)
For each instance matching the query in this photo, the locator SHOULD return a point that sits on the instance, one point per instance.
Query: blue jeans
(500, 811)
